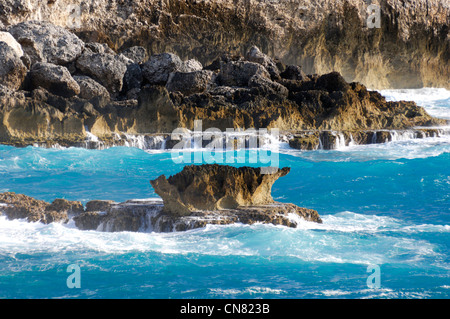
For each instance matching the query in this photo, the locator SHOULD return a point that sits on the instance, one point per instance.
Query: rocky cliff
(409, 49)
(56, 89)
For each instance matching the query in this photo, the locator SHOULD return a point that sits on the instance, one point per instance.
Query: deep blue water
(386, 205)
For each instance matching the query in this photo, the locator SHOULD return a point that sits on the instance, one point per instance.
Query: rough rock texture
(90, 89)
(410, 49)
(215, 187)
(55, 78)
(149, 216)
(106, 68)
(98, 205)
(137, 54)
(239, 73)
(190, 82)
(45, 42)
(18, 206)
(9, 40)
(158, 68)
(229, 93)
(193, 198)
(12, 69)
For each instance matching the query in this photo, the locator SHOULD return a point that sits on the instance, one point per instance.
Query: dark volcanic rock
(106, 68)
(189, 83)
(45, 42)
(137, 54)
(98, 205)
(215, 187)
(55, 78)
(157, 69)
(255, 55)
(293, 72)
(239, 73)
(89, 88)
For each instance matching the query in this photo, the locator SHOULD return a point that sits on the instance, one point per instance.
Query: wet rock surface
(18, 206)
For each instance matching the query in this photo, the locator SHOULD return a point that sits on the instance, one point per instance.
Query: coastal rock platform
(235, 195)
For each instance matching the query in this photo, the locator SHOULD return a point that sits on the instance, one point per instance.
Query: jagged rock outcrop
(193, 198)
(158, 67)
(215, 187)
(410, 49)
(18, 206)
(189, 82)
(91, 89)
(166, 93)
(149, 216)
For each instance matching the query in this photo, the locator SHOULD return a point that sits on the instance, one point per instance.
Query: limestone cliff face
(215, 187)
(410, 49)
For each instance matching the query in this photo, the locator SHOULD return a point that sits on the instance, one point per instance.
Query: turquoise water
(386, 205)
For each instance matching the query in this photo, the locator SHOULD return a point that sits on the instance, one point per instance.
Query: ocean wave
(342, 238)
(436, 101)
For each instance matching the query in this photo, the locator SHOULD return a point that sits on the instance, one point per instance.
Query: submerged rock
(18, 206)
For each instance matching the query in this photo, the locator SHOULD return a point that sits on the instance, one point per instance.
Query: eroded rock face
(215, 187)
(46, 42)
(18, 206)
(410, 49)
(90, 89)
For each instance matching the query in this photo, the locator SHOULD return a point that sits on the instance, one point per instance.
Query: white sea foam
(342, 238)
(435, 100)
(244, 291)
